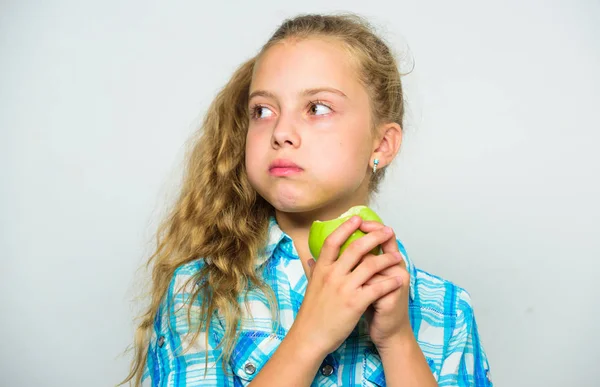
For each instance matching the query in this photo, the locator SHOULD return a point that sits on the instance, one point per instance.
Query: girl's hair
(218, 215)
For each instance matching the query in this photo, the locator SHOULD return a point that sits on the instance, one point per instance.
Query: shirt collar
(276, 236)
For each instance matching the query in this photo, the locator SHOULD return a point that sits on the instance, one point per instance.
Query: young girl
(303, 131)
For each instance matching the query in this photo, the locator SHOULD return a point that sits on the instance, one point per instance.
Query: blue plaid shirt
(440, 313)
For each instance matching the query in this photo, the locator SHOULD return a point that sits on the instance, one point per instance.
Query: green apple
(320, 230)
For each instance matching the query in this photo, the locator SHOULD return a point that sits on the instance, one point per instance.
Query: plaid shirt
(440, 313)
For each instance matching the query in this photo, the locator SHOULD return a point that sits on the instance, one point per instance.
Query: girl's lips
(284, 171)
(284, 167)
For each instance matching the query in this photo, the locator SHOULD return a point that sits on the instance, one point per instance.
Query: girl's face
(309, 140)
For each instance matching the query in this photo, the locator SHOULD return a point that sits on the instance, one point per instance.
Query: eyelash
(311, 104)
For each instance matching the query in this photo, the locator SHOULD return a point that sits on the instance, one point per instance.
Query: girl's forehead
(307, 63)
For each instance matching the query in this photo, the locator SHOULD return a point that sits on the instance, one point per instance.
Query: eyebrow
(305, 92)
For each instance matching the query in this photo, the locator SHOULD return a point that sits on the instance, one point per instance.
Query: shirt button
(161, 341)
(249, 368)
(326, 370)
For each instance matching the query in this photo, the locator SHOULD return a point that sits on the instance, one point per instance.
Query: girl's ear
(387, 144)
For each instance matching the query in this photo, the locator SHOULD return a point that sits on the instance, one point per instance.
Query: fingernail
(397, 255)
(387, 230)
(399, 279)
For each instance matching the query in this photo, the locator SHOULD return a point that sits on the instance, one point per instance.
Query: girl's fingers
(331, 246)
(370, 225)
(361, 247)
(390, 245)
(369, 268)
(376, 278)
(311, 266)
(371, 293)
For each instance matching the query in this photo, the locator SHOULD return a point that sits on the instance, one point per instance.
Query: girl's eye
(319, 109)
(259, 112)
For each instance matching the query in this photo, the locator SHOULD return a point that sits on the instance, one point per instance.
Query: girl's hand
(338, 294)
(388, 316)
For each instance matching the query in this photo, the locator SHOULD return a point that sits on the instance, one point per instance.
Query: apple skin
(320, 230)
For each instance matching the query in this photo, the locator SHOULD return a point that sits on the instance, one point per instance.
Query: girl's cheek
(329, 122)
(254, 136)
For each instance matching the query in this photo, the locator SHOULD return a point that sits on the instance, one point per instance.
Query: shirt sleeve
(465, 363)
(175, 357)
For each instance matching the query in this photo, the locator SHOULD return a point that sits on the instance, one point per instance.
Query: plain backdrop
(496, 187)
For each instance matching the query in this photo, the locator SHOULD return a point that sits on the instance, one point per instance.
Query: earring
(375, 162)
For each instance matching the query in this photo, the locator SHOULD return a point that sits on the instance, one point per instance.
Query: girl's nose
(285, 133)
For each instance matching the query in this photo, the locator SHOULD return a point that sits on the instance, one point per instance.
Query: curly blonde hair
(216, 194)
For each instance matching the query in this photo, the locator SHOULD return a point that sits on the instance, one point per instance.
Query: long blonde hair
(216, 194)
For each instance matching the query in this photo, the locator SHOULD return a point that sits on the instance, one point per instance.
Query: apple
(319, 230)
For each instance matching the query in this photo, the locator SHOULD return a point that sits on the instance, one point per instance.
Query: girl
(302, 131)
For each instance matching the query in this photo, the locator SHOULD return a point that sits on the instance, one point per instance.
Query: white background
(496, 187)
